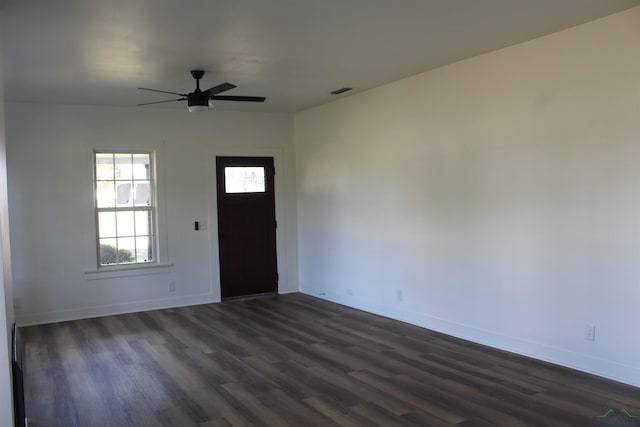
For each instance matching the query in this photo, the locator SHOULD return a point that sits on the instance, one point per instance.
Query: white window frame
(152, 209)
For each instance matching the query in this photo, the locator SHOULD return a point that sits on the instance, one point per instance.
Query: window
(125, 208)
(244, 179)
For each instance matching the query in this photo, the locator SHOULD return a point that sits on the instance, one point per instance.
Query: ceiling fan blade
(163, 91)
(160, 102)
(220, 88)
(238, 98)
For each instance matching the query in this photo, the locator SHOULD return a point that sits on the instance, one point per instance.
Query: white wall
(51, 203)
(500, 195)
(6, 304)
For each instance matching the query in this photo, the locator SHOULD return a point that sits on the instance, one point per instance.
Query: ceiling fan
(200, 100)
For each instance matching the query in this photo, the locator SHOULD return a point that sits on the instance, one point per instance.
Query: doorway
(246, 226)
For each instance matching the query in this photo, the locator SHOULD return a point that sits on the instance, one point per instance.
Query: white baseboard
(548, 353)
(28, 319)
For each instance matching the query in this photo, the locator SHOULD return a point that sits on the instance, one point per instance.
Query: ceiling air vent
(341, 90)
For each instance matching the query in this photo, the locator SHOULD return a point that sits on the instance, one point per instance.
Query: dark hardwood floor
(293, 360)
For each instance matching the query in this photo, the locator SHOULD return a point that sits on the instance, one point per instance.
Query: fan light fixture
(198, 101)
(198, 109)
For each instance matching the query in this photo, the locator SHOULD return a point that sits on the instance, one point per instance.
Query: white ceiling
(294, 52)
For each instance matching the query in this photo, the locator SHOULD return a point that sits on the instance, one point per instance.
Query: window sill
(127, 271)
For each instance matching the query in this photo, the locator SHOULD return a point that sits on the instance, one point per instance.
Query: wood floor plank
(435, 410)
(220, 422)
(337, 413)
(379, 416)
(296, 411)
(293, 360)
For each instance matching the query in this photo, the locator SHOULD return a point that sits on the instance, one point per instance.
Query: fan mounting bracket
(197, 74)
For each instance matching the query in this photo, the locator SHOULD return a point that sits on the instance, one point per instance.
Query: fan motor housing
(198, 98)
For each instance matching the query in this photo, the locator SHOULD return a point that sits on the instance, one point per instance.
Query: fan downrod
(197, 74)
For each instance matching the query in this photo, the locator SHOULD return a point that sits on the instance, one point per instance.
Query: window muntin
(125, 208)
(244, 179)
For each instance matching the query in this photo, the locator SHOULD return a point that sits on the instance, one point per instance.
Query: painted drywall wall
(495, 199)
(51, 203)
(6, 303)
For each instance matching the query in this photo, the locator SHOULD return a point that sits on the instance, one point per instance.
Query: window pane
(104, 166)
(123, 166)
(126, 249)
(123, 194)
(107, 224)
(143, 223)
(244, 179)
(105, 194)
(125, 224)
(108, 251)
(141, 166)
(143, 194)
(143, 249)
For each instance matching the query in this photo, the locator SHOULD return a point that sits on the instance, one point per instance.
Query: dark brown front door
(246, 226)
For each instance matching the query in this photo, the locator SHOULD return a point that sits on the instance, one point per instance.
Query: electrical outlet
(172, 286)
(590, 333)
(399, 295)
(349, 291)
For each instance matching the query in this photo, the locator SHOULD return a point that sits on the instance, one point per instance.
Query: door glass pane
(244, 179)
